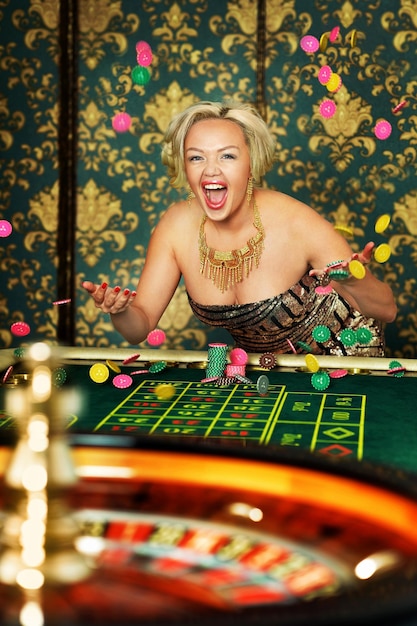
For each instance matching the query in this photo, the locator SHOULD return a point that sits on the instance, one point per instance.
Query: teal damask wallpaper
(248, 50)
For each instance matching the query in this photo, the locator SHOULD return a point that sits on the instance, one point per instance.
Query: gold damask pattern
(202, 50)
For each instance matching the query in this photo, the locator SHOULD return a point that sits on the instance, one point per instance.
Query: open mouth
(215, 193)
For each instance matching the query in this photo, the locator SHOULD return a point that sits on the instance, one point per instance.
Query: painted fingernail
(133, 294)
(104, 285)
(126, 292)
(116, 289)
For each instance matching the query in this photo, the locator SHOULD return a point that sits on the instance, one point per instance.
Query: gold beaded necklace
(225, 269)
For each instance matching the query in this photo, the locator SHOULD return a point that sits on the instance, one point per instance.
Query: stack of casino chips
(216, 359)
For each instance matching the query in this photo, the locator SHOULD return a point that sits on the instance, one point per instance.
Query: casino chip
(357, 269)
(122, 381)
(304, 346)
(20, 329)
(382, 223)
(338, 373)
(238, 356)
(396, 369)
(348, 337)
(5, 228)
(113, 366)
(312, 363)
(321, 333)
(262, 385)
(99, 373)
(364, 336)
(157, 367)
(156, 337)
(165, 391)
(225, 381)
(382, 253)
(320, 380)
(7, 374)
(338, 274)
(131, 359)
(267, 360)
(59, 376)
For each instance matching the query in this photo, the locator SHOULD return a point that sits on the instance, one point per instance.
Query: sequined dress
(266, 326)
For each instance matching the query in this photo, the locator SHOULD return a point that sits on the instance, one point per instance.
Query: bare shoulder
(286, 209)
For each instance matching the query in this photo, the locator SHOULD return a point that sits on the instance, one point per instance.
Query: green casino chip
(157, 367)
(348, 337)
(321, 333)
(320, 380)
(338, 274)
(19, 352)
(364, 335)
(304, 346)
(59, 376)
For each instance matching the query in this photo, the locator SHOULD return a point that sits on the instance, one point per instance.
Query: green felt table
(366, 415)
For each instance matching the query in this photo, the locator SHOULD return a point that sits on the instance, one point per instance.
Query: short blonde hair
(259, 140)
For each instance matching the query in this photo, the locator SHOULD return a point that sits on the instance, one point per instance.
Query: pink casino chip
(323, 290)
(5, 228)
(121, 122)
(156, 337)
(327, 108)
(334, 34)
(309, 43)
(382, 129)
(144, 57)
(122, 381)
(20, 329)
(238, 356)
(324, 74)
(142, 45)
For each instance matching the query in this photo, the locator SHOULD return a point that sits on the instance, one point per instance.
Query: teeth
(213, 186)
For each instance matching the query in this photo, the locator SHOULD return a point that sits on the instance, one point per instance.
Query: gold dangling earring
(249, 190)
(190, 196)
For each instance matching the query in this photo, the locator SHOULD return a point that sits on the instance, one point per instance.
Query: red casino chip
(267, 360)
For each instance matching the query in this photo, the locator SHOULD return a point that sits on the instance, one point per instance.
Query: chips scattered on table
(340, 373)
(165, 391)
(320, 380)
(122, 381)
(99, 373)
(262, 385)
(113, 366)
(157, 367)
(396, 369)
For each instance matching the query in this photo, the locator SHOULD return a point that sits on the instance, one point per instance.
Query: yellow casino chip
(99, 373)
(357, 269)
(382, 223)
(382, 253)
(312, 363)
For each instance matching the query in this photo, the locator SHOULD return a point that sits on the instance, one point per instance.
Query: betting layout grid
(331, 423)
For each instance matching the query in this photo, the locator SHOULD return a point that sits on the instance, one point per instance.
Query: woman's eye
(229, 156)
(195, 157)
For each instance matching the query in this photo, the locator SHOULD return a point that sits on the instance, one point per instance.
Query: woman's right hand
(111, 300)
